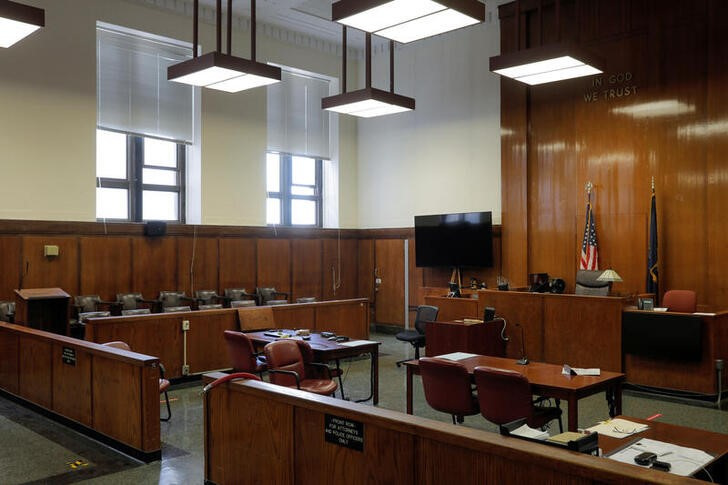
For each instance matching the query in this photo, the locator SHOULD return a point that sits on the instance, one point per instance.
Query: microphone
(523, 360)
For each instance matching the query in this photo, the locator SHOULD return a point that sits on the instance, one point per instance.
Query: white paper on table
(618, 428)
(456, 356)
(683, 461)
(356, 343)
(528, 432)
(580, 371)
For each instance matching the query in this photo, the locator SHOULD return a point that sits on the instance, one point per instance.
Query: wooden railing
(108, 393)
(282, 438)
(192, 342)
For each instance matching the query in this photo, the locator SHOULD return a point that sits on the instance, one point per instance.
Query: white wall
(445, 156)
(48, 118)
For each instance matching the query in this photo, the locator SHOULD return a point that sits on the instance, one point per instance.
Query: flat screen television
(454, 240)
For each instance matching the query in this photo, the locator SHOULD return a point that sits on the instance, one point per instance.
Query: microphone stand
(523, 360)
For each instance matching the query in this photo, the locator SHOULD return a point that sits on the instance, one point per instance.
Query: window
(299, 151)
(139, 178)
(294, 190)
(145, 126)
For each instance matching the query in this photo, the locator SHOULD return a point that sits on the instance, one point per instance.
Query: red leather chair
(163, 383)
(242, 354)
(317, 371)
(505, 396)
(447, 388)
(286, 367)
(682, 301)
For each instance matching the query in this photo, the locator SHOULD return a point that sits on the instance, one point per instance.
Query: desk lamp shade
(223, 71)
(408, 20)
(609, 275)
(18, 21)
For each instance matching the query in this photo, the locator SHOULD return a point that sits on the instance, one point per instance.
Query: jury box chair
(271, 296)
(448, 389)
(135, 301)
(681, 301)
(505, 396)
(239, 297)
(208, 300)
(416, 337)
(242, 354)
(163, 383)
(7, 311)
(286, 367)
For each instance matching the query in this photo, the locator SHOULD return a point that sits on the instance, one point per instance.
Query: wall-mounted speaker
(155, 228)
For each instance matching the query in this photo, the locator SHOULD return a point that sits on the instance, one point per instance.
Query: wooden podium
(43, 308)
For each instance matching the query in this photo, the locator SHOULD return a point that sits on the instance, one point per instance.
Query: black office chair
(425, 313)
(268, 295)
(7, 311)
(587, 283)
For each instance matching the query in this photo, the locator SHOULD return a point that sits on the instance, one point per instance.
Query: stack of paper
(456, 356)
(683, 461)
(618, 428)
(528, 432)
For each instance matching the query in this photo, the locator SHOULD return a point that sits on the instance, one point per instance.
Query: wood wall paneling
(9, 266)
(197, 264)
(105, 266)
(237, 264)
(34, 381)
(306, 269)
(229, 442)
(386, 457)
(9, 361)
(340, 269)
(366, 269)
(72, 385)
(113, 416)
(389, 302)
(656, 111)
(42, 272)
(154, 269)
(206, 348)
(274, 264)
(350, 320)
(295, 317)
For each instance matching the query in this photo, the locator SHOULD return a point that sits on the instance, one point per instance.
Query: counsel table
(325, 350)
(546, 380)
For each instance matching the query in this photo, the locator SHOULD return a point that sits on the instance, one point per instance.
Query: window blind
(296, 122)
(134, 95)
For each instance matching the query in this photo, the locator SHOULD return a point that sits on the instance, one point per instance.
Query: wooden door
(389, 269)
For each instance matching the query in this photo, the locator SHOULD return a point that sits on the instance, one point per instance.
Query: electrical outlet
(185, 370)
(185, 325)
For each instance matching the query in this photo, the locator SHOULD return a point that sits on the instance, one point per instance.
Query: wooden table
(325, 350)
(713, 443)
(546, 380)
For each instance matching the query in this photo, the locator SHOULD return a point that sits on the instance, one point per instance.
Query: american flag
(589, 255)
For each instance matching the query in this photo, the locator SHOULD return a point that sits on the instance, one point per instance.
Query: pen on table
(665, 453)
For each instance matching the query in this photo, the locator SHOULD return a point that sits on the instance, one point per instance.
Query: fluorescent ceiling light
(546, 64)
(408, 20)
(18, 21)
(223, 72)
(368, 103)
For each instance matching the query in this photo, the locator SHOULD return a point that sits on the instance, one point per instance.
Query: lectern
(43, 308)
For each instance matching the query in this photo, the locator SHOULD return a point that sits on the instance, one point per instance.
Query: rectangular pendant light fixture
(224, 72)
(408, 20)
(545, 63)
(368, 102)
(18, 21)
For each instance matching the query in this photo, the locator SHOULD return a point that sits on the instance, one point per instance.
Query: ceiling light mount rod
(195, 27)
(391, 66)
(229, 26)
(368, 60)
(343, 57)
(218, 24)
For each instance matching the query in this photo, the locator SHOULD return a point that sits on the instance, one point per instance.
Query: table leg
(614, 400)
(573, 423)
(375, 376)
(409, 390)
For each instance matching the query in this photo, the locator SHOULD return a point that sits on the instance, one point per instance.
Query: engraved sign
(68, 356)
(610, 87)
(344, 432)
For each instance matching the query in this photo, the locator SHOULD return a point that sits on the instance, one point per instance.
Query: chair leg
(453, 419)
(417, 352)
(561, 426)
(169, 410)
(341, 382)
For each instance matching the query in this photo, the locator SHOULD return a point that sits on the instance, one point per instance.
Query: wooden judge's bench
(586, 331)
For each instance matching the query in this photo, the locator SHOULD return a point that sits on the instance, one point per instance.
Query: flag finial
(588, 187)
(653, 184)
